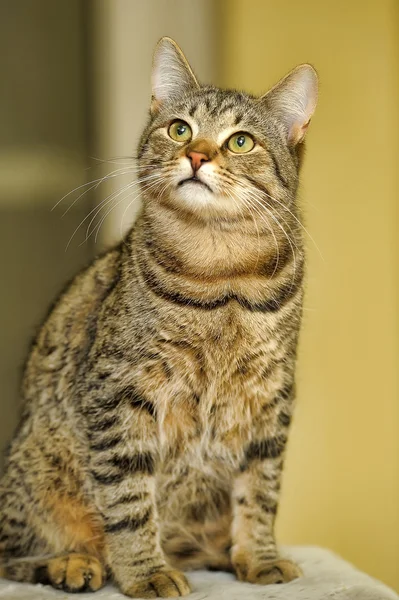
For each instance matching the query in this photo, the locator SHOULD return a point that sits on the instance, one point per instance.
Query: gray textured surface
(326, 577)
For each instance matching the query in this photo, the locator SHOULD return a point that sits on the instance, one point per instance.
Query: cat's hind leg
(70, 572)
(49, 531)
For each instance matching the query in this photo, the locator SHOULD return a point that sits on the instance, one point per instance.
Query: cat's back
(66, 336)
(48, 435)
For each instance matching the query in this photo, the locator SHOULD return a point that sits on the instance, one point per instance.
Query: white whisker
(250, 201)
(114, 195)
(98, 226)
(97, 209)
(96, 182)
(298, 221)
(257, 198)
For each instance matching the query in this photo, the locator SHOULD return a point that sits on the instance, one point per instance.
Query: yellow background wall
(341, 486)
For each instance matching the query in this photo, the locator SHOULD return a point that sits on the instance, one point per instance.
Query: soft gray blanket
(326, 577)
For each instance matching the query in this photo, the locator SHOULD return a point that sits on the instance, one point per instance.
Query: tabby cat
(159, 392)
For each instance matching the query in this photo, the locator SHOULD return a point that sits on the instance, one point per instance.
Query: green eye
(239, 143)
(180, 131)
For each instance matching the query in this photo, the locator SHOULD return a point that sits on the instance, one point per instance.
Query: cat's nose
(197, 159)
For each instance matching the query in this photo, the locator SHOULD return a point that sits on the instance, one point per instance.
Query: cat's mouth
(196, 181)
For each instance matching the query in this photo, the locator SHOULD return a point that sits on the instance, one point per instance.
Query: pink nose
(197, 159)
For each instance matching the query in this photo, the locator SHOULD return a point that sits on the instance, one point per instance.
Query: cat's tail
(18, 569)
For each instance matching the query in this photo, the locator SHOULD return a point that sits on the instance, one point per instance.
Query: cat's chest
(221, 335)
(216, 387)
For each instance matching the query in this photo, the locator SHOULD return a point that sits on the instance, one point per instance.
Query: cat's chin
(194, 182)
(199, 199)
(194, 193)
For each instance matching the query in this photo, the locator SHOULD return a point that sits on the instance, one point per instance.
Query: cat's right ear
(293, 100)
(171, 73)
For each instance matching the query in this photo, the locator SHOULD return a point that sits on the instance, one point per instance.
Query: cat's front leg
(123, 461)
(255, 501)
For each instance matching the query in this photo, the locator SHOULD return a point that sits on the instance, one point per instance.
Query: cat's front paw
(278, 570)
(167, 583)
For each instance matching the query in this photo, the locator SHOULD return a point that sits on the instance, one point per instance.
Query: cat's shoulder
(92, 281)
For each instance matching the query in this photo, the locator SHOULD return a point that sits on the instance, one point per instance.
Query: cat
(159, 392)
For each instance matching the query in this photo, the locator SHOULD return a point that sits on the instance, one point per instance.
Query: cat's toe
(278, 570)
(275, 571)
(162, 584)
(76, 573)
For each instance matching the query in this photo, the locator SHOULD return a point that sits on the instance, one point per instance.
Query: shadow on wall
(43, 154)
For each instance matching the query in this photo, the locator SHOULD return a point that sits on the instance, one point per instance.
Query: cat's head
(222, 153)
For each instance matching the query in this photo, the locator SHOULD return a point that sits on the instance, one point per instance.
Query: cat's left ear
(171, 73)
(293, 100)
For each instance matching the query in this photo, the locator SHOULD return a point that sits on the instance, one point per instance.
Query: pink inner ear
(298, 132)
(294, 100)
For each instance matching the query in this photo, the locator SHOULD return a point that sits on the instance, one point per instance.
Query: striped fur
(159, 392)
